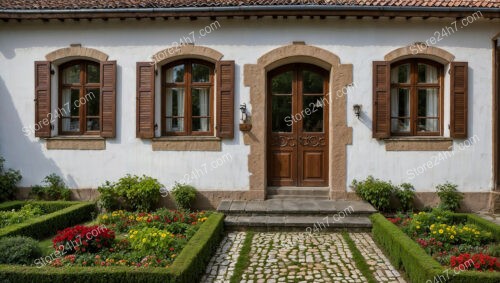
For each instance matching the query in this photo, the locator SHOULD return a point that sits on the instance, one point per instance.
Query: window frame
(413, 86)
(188, 85)
(82, 86)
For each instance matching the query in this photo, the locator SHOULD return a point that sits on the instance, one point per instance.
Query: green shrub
(19, 250)
(54, 189)
(48, 224)
(13, 217)
(131, 193)
(405, 193)
(449, 195)
(374, 191)
(184, 195)
(8, 181)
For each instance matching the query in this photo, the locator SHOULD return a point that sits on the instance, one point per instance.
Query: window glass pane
(201, 124)
(93, 124)
(400, 107)
(175, 74)
(428, 125)
(400, 125)
(175, 124)
(93, 73)
(71, 124)
(281, 113)
(312, 113)
(312, 82)
(282, 83)
(91, 101)
(428, 102)
(401, 74)
(70, 102)
(200, 73)
(427, 74)
(71, 75)
(200, 100)
(175, 109)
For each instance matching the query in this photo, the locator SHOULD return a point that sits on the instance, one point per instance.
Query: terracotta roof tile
(113, 4)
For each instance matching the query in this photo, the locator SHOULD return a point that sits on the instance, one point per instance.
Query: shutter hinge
(156, 126)
(51, 126)
(52, 72)
(156, 72)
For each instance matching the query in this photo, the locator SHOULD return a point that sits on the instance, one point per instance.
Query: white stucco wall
(358, 42)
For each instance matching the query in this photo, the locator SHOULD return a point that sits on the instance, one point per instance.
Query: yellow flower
(434, 232)
(418, 227)
(135, 232)
(174, 255)
(452, 237)
(131, 217)
(441, 231)
(155, 234)
(163, 235)
(131, 236)
(144, 240)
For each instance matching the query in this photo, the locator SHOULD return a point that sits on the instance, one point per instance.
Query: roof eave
(288, 10)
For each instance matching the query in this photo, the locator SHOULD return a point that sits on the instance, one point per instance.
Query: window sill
(76, 143)
(418, 144)
(191, 143)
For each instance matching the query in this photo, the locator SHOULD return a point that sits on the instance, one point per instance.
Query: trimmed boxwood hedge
(418, 265)
(61, 214)
(188, 267)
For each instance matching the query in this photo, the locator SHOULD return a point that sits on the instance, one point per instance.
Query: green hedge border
(66, 214)
(418, 265)
(187, 268)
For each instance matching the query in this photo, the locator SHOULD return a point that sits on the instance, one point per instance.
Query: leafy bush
(151, 240)
(184, 195)
(449, 195)
(83, 239)
(46, 225)
(130, 192)
(374, 191)
(8, 181)
(54, 189)
(405, 193)
(19, 250)
(13, 217)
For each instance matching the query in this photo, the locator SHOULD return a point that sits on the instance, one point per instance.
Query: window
(79, 98)
(416, 98)
(187, 98)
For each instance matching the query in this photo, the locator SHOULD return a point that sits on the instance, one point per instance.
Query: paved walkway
(295, 257)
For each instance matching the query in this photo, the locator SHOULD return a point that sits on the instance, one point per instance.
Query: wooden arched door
(297, 127)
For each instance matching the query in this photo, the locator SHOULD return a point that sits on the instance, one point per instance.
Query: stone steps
(298, 193)
(296, 215)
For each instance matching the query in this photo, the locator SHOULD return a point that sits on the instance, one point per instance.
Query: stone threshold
(299, 206)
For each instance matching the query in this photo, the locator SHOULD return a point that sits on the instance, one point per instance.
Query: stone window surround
(255, 77)
(187, 143)
(58, 57)
(438, 143)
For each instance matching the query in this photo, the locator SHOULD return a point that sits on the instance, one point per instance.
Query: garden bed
(40, 219)
(149, 247)
(418, 243)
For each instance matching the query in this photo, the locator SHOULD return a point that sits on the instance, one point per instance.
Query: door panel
(298, 126)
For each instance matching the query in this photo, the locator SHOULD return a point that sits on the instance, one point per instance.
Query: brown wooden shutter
(145, 107)
(225, 99)
(458, 99)
(381, 127)
(108, 99)
(42, 99)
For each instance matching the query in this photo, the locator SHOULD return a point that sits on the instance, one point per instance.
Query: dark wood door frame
(299, 147)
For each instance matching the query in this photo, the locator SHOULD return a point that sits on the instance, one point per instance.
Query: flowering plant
(480, 262)
(150, 239)
(83, 239)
